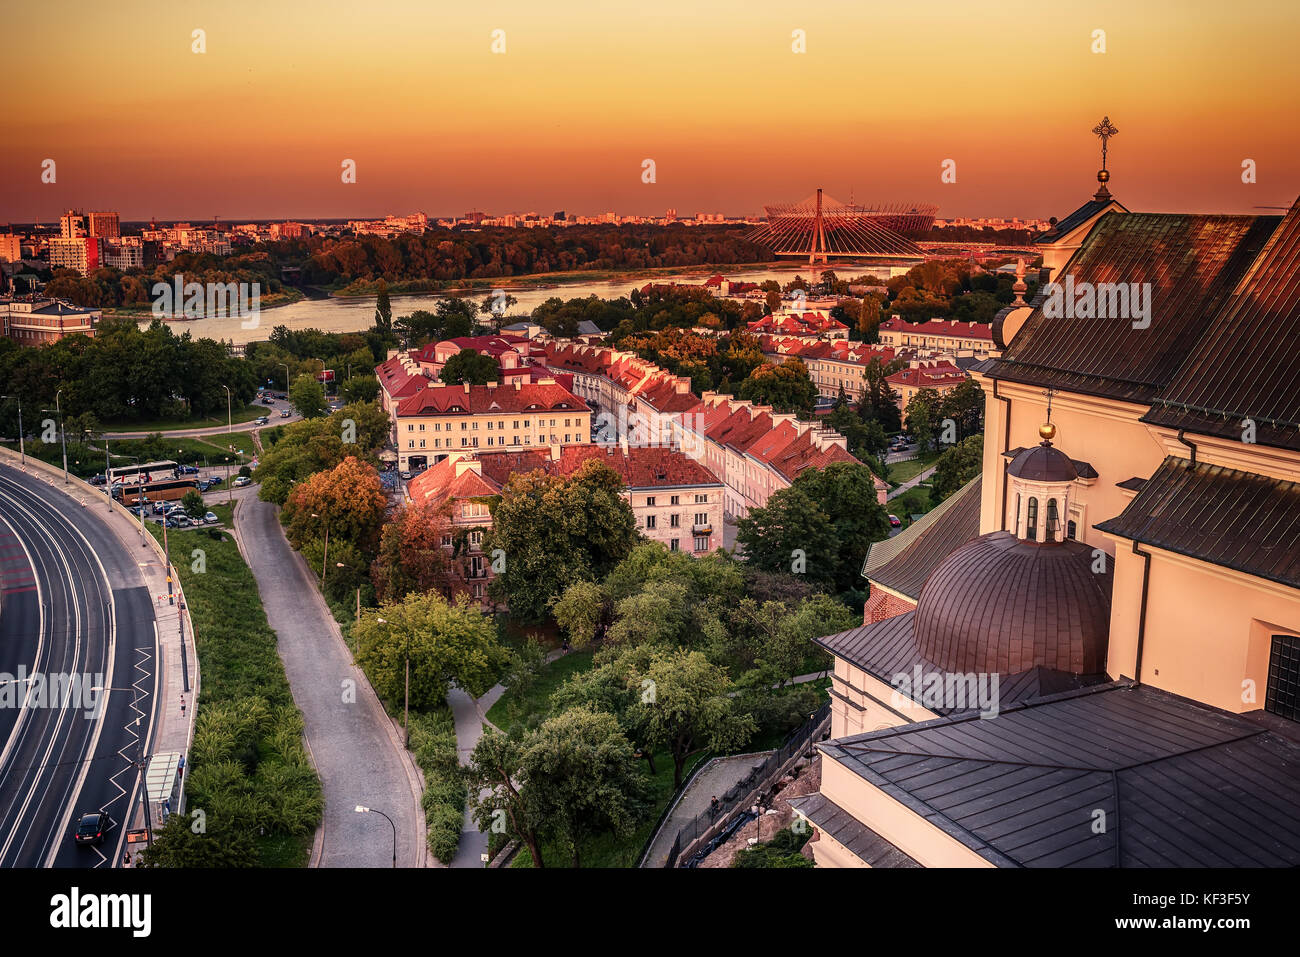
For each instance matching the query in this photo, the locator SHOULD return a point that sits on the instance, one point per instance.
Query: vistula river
(358, 314)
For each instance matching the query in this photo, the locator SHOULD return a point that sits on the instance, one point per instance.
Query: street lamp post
(370, 810)
(326, 556)
(139, 753)
(63, 435)
(230, 427)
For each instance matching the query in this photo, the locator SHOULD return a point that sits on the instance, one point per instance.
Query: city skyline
(257, 126)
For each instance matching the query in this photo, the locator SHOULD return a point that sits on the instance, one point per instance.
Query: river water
(358, 314)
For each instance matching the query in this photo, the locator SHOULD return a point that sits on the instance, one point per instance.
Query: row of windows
(675, 520)
(701, 544)
(500, 425)
(493, 441)
(700, 499)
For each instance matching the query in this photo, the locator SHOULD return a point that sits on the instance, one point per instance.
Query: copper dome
(998, 604)
(1043, 463)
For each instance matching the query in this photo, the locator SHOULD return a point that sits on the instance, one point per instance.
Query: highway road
(72, 603)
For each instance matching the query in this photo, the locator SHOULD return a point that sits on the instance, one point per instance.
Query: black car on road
(91, 828)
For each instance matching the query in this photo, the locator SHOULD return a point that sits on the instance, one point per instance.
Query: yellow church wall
(1102, 432)
(1208, 629)
(860, 699)
(906, 830)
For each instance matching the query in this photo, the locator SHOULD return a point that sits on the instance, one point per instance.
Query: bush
(781, 851)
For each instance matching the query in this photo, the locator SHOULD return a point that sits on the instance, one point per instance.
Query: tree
(176, 845)
(583, 765)
(307, 396)
(347, 502)
(192, 503)
(498, 786)
(447, 643)
(361, 388)
(957, 466)
(411, 554)
(879, 400)
(684, 706)
(922, 417)
(496, 305)
(296, 452)
(472, 367)
(555, 531)
(786, 387)
(383, 310)
(964, 404)
(846, 491)
(790, 533)
(582, 611)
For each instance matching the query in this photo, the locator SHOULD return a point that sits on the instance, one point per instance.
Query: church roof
(1180, 784)
(904, 562)
(1192, 263)
(1227, 517)
(1042, 463)
(1000, 604)
(1076, 219)
(1247, 364)
(887, 648)
(860, 840)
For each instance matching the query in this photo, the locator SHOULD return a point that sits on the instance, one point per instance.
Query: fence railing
(739, 794)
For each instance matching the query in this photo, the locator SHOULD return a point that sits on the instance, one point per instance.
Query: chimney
(492, 385)
(467, 388)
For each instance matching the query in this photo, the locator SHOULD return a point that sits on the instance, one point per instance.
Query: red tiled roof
(928, 375)
(941, 327)
(482, 399)
(440, 482)
(396, 380)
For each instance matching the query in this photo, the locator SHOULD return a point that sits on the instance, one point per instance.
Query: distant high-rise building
(11, 248)
(80, 253)
(106, 225)
(559, 216)
(72, 224)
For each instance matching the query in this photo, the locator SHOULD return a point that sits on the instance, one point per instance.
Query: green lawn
(513, 706)
(915, 501)
(237, 415)
(900, 472)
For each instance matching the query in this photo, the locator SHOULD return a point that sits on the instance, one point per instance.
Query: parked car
(242, 481)
(187, 470)
(405, 474)
(90, 829)
(210, 518)
(215, 481)
(262, 420)
(285, 413)
(895, 521)
(267, 400)
(100, 479)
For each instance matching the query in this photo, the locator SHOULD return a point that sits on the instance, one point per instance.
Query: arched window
(1031, 522)
(1053, 520)
(1071, 529)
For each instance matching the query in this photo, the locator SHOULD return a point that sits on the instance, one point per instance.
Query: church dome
(999, 604)
(1043, 463)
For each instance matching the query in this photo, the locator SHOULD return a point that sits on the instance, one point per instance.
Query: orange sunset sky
(257, 127)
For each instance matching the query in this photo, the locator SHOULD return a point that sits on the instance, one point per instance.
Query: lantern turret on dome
(1041, 480)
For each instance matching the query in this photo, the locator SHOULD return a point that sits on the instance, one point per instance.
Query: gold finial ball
(1048, 431)
(1103, 175)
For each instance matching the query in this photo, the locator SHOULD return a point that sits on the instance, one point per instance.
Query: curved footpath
(356, 747)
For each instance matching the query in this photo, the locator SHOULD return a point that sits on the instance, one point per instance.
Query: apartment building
(439, 421)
